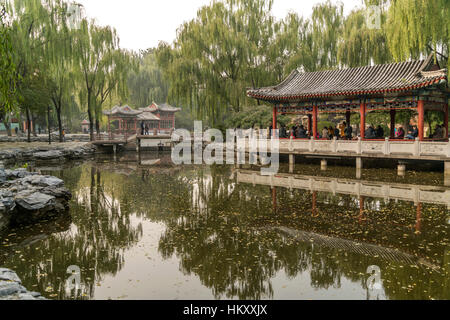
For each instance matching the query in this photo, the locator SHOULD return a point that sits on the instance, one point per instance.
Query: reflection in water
(229, 237)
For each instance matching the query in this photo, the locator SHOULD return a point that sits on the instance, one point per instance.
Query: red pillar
(348, 117)
(314, 124)
(309, 123)
(314, 204)
(362, 111)
(274, 119)
(420, 110)
(419, 218)
(361, 208)
(393, 113)
(274, 199)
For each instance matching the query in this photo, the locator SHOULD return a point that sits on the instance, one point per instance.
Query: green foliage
(148, 84)
(416, 27)
(103, 68)
(232, 45)
(360, 45)
(217, 55)
(8, 77)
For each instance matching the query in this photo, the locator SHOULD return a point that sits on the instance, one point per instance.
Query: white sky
(141, 24)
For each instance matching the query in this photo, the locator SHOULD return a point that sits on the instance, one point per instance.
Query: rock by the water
(56, 152)
(27, 197)
(48, 155)
(11, 287)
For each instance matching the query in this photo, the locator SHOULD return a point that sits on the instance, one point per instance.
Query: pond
(146, 229)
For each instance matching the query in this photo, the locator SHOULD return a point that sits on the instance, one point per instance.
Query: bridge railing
(412, 148)
(383, 190)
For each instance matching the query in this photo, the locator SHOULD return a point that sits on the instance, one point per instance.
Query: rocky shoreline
(44, 138)
(56, 152)
(11, 287)
(27, 197)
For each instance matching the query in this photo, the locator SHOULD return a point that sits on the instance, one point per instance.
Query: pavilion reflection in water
(224, 233)
(360, 192)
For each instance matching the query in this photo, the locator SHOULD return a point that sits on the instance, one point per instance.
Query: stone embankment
(56, 152)
(44, 138)
(27, 198)
(11, 287)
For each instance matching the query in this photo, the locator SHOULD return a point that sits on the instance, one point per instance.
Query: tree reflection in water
(228, 234)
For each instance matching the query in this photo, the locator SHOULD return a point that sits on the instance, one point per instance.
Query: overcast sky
(141, 24)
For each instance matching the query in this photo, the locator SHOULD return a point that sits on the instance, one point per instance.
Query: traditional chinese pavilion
(415, 85)
(159, 118)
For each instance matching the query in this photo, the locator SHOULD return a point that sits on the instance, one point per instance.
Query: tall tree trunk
(7, 127)
(91, 118)
(97, 127)
(60, 128)
(49, 126)
(33, 118)
(27, 111)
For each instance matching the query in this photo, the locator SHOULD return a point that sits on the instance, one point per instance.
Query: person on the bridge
(337, 133)
(380, 132)
(370, 133)
(142, 128)
(349, 132)
(412, 135)
(330, 132)
(401, 133)
(325, 133)
(147, 130)
(283, 133)
(342, 127)
(301, 132)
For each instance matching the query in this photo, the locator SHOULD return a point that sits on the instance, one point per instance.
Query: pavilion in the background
(126, 121)
(420, 86)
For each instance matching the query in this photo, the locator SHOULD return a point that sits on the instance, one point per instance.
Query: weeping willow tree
(30, 34)
(148, 84)
(8, 75)
(94, 47)
(418, 27)
(112, 78)
(41, 40)
(7, 67)
(216, 55)
(61, 56)
(361, 45)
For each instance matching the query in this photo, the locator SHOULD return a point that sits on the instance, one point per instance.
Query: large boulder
(27, 198)
(49, 155)
(11, 287)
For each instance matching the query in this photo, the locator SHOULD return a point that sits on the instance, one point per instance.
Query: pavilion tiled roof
(368, 80)
(122, 110)
(163, 107)
(147, 115)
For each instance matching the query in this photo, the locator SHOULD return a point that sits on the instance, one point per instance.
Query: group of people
(439, 132)
(145, 129)
(372, 133)
(344, 131)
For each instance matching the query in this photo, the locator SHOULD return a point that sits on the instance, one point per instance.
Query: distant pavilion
(158, 118)
(416, 85)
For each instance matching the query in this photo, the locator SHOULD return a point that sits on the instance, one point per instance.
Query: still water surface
(150, 230)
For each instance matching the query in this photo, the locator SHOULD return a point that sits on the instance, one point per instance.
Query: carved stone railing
(382, 148)
(406, 192)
